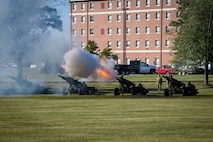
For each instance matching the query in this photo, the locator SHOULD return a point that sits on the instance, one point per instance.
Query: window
(147, 16)
(167, 42)
(168, 2)
(128, 4)
(147, 31)
(102, 31)
(167, 15)
(157, 29)
(137, 43)
(74, 19)
(109, 5)
(74, 44)
(128, 17)
(118, 31)
(118, 43)
(177, 1)
(74, 31)
(91, 18)
(157, 42)
(147, 60)
(82, 19)
(167, 29)
(82, 32)
(102, 5)
(82, 6)
(127, 43)
(82, 44)
(119, 4)
(147, 43)
(178, 29)
(157, 15)
(109, 31)
(137, 30)
(128, 30)
(138, 3)
(138, 16)
(157, 2)
(157, 61)
(91, 6)
(118, 17)
(74, 6)
(109, 44)
(178, 14)
(109, 18)
(91, 31)
(147, 3)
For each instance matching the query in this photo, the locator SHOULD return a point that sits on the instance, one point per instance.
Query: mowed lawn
(106, 118)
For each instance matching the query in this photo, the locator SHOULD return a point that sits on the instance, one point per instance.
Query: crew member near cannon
(159, 82)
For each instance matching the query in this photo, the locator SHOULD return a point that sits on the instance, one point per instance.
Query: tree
(107, 53)
(92, 47)
(24, 24)
(194, 39)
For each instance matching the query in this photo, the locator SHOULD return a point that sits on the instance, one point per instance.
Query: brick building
(144, 34)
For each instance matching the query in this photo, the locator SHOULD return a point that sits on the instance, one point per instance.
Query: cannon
(127, 86)
(178, 87)
(74, 86)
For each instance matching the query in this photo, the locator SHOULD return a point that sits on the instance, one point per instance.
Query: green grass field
(105, 117)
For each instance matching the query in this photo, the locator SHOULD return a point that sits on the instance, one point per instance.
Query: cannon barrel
(70, 80)
(124, 81)
(174, 82)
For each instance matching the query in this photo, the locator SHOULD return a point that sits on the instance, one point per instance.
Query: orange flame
(103, 73)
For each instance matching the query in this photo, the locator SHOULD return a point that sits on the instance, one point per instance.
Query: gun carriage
(74, 86)
(127, 86)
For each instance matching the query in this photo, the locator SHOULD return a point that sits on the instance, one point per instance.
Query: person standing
(159, 82)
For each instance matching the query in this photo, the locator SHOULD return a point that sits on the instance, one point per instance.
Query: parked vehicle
(135, 66)
(164, 69)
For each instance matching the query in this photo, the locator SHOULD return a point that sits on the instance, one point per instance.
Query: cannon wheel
(116, 92)
(166, 92)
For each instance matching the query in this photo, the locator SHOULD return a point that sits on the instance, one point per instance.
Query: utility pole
(124, 32)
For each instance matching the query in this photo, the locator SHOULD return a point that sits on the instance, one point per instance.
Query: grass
(105, 117)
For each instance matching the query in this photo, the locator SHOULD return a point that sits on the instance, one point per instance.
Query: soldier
(170, 85)
(159, 82)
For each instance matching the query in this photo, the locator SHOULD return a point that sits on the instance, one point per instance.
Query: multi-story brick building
(144, 34)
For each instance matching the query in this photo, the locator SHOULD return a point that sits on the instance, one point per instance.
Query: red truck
(164, 69)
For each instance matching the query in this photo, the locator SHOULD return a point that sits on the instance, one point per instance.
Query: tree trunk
(206, 72)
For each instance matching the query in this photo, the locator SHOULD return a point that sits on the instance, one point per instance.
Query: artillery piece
(74, 86)
(127, 86)
(178, 87)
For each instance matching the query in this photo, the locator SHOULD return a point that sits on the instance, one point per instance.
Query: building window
(157, 3)
(147, 30)
(157, 29)
(74, 31)
(157, 16)
(82, 19)
(128, 30)
(109, 18)
(109, 31)
(91, 6)
(91, 31)
(138, 17)
(74, 19)
(178, 14)
(82, 44)
(177, 1)
(157, 61)
(91, 18)
(102, 31)
(147, 3)
(109, 5)
(147, 16)
(127, 43)
(118, 31)
(167, 43)
(157, 42)
(138, 3)
(178, 29)
(82, 32)
(74, 44)
(168, 2)
(119, 4)
(74, 6)
(128, 17)
(82, 6)
(147, 60)
(109, 44)
(137, 30)
(118, 43)
(167, 29)
(147, 43)
(137, 43)
(102, 5)
(128, 3)
(167, 15)
(118, 17)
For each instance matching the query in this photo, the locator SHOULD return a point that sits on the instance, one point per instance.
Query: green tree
(194, 37)
(107, 53)
(92, 47)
